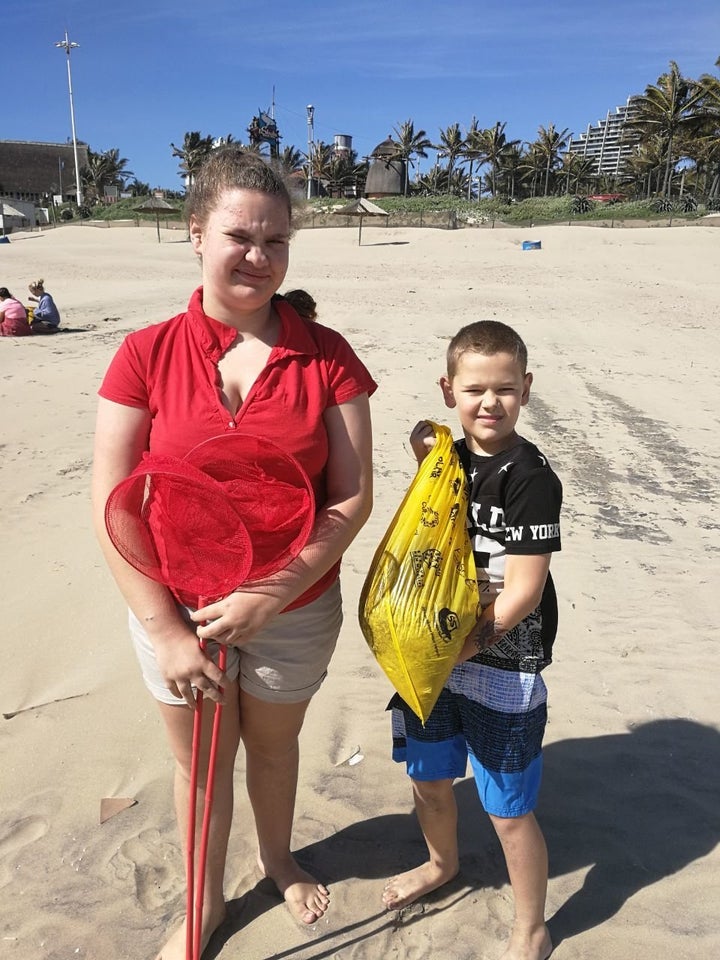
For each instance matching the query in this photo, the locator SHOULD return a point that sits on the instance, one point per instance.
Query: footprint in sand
(500, 916)
(14, 837)
(76, 467)
(154, 865)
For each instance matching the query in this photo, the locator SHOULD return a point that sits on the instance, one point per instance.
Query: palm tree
(473, 152)
(193, 153)
(105, 169)
(451, 146)
(647, 160)
(290, 160)
(549, 145)
(139, 188)
(533, 165)
(434, 182)
(345, 171)
(669, 109)
(578, 172)
(410, 144)
(318, 165)
(708, 139)
(494, 145)
(510, 166)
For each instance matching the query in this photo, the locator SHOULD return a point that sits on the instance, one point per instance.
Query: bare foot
(405, 888)
(529, 945)
(175, 948)
(306, 899)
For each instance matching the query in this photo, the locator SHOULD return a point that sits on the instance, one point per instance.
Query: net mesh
(174, 524)
(270, 491)
(236, 509)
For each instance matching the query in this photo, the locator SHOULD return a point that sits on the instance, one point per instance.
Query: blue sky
(147, 72)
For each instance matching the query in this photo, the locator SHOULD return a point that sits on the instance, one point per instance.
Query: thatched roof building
(386, 175)
(31, 171)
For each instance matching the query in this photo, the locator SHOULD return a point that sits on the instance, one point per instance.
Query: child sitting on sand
(46, 316)
(493, 707)
(13, 316)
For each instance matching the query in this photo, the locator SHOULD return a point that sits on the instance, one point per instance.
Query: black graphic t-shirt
(514, 508)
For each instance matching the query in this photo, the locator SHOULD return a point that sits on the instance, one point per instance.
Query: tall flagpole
(67, 45)
(311, 146)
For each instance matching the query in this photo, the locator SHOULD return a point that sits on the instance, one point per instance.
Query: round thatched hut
(386, 173)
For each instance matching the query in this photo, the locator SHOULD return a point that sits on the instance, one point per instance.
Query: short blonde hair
(37, 286)
(486, 337)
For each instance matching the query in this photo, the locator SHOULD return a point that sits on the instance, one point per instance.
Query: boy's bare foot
(533, 945)
(175, 948)
(405, 888)
(306, 899)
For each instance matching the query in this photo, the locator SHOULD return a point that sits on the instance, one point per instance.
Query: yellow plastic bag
(420, 598)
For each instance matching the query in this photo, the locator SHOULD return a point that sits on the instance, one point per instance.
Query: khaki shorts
(285, 663)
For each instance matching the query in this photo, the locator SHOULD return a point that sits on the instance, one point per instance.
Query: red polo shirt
(171, 370)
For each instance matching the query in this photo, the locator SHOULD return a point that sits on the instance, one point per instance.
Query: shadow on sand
(633, 807)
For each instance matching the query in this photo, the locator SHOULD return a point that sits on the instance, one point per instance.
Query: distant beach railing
(449, 220)
(131, 222)
(435, 219)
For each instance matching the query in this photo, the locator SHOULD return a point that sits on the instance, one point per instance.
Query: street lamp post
(67, 46)
(311, 140)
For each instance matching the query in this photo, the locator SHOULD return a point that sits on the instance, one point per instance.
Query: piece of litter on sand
(46, 703)
(109, 806)
(353, 757)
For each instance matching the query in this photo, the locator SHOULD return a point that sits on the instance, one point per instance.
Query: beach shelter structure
(386, 174)
(362, 208)
(157, 206)
(11, 217)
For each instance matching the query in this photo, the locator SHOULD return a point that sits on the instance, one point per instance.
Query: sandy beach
(623, 335)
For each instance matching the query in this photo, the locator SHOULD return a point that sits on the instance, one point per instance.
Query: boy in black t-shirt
(493, 708)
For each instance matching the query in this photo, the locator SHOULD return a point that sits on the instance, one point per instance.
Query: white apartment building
(608, 143)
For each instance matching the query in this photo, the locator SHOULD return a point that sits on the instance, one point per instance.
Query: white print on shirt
(491, 574)
(497, 518)
(544, 531)
(538, 531)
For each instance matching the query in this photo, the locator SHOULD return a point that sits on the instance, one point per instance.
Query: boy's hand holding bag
(420, 598)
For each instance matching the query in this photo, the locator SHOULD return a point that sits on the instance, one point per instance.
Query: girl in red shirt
(241, 357)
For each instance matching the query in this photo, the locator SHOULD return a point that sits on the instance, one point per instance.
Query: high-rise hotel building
(608, 143)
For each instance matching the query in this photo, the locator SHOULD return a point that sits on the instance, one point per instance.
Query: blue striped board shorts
(496, 719)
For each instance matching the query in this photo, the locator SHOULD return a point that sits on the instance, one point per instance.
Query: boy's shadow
(634, 807)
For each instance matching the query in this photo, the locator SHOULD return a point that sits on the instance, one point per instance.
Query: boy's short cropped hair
(486, 337)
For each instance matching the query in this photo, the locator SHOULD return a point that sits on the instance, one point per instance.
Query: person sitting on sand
(13, 316)
(493, 708)
(46, 316)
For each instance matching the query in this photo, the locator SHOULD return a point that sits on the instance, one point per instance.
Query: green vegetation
(535, 210)
(440, 210)
(121, 210)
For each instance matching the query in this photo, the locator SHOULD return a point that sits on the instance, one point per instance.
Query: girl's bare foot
(529, 945)
(175, 948)
(306, 899)
(405, 888)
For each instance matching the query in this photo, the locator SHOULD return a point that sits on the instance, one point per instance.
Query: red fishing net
(270, 491)
(174, 524)
(236, 509)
